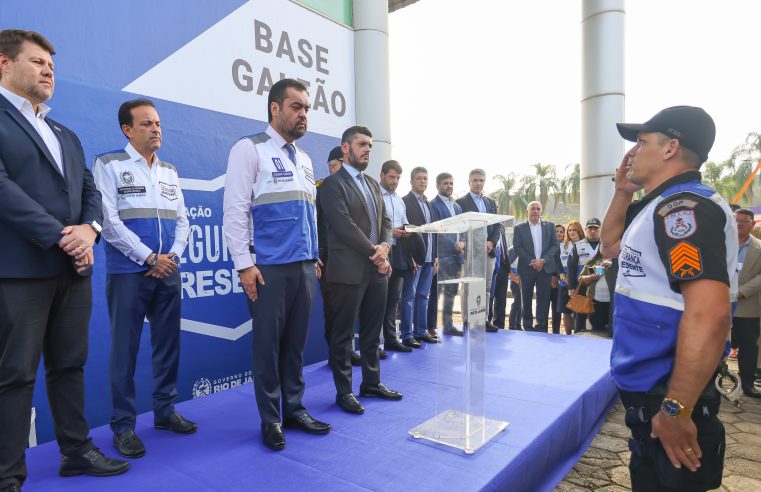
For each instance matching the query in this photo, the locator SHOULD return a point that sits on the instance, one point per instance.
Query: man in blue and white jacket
(146, 232)
(270, 225)
(677, 253)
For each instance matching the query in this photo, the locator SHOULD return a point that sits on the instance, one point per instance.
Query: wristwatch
(152, 260)
(674, 409)
(95, 226)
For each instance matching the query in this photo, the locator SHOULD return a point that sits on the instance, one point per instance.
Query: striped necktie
(291, 152)
(370, 208)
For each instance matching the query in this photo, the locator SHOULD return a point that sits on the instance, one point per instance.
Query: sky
(496, 84)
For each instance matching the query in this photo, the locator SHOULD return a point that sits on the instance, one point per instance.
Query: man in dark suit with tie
(536, 245)
(359, 233)
(50, 216)
(450, 250)
(476, 201)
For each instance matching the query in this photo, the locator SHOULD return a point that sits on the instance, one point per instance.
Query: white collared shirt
(38, 123)
(536, 235)
(449, 202)
(395, 208)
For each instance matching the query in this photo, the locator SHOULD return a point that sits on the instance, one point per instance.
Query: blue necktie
(291, 152)
(370, 208)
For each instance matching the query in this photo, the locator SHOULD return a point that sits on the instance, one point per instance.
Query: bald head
(534, 211)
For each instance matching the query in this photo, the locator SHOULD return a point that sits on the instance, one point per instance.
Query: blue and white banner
(208, 67)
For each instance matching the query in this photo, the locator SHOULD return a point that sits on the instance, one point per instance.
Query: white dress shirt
(536, 235)
(38, 123)
(395, 208)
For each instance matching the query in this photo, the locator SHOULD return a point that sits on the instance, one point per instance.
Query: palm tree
(545, 180)
(505, 195)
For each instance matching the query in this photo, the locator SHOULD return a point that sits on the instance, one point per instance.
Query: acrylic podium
(459, 419)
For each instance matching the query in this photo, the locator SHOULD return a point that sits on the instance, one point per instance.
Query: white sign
(231, 66)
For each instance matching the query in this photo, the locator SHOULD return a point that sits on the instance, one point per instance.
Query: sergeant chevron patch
(685, 261)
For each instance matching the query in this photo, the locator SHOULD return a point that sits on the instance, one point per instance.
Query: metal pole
(371, 77)
(602, 101)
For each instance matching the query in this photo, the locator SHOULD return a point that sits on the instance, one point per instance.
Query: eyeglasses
(744, 221)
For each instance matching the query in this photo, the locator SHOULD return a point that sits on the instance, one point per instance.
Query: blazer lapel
(750, 258)
(352, 184)
(16, 115)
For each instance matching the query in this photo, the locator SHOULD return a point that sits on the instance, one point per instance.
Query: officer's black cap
(692, 126)
(336, 154)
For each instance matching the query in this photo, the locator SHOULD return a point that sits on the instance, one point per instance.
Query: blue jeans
(413, 309)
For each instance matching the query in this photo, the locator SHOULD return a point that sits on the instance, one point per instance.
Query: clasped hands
(164, 267)
(380, 259)
(77, 242)
(537, 264)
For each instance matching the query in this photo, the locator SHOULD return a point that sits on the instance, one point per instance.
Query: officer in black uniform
(677, 251)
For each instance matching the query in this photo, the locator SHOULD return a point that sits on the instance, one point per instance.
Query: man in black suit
(417, 283)
(536, 245)
(359, 233)
(476, 201)
(50, 216)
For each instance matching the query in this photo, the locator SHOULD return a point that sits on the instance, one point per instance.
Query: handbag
(580, 304)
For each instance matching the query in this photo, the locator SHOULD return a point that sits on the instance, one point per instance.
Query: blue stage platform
(554, 390)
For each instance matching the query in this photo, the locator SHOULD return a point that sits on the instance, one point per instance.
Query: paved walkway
(604, 467)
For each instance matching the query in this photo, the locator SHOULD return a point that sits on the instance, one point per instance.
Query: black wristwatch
(152, 260)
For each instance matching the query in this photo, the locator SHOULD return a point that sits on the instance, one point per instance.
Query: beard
(356, 163)
(446, 193)
(293, 131)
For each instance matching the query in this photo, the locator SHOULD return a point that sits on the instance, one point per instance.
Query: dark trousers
(542, 281)
(395, 283)
(132, 297)
(599, 319)
(433, 303)
(745, 332)
(48, 317)
(280, 318)
(556, 315)
(325, 306)
(515, 308)
(650, 468)
(366, 301)
(500, 294)
(449, 268)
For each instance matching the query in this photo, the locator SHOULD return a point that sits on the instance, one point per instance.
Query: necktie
(291, 152)
(370, 208)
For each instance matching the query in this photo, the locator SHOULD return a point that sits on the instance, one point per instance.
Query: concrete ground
(604, 466)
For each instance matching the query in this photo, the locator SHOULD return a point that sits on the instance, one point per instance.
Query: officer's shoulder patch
(678, 203)
(685, 261)
(680, 224)
(319, 183)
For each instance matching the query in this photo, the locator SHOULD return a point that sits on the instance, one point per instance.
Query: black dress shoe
(453, 330)
(272, 436)
(412, 343)
(379, 391)
(396, 346)
(751, 392)
(356, 359)
(129, 445)
(349, 403)
(382, 355)
(491, 327)
(176, 423)
(306, 423)
(93, 463)
(426, 338)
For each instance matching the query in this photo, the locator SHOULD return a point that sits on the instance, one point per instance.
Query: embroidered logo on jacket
(680, 224)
